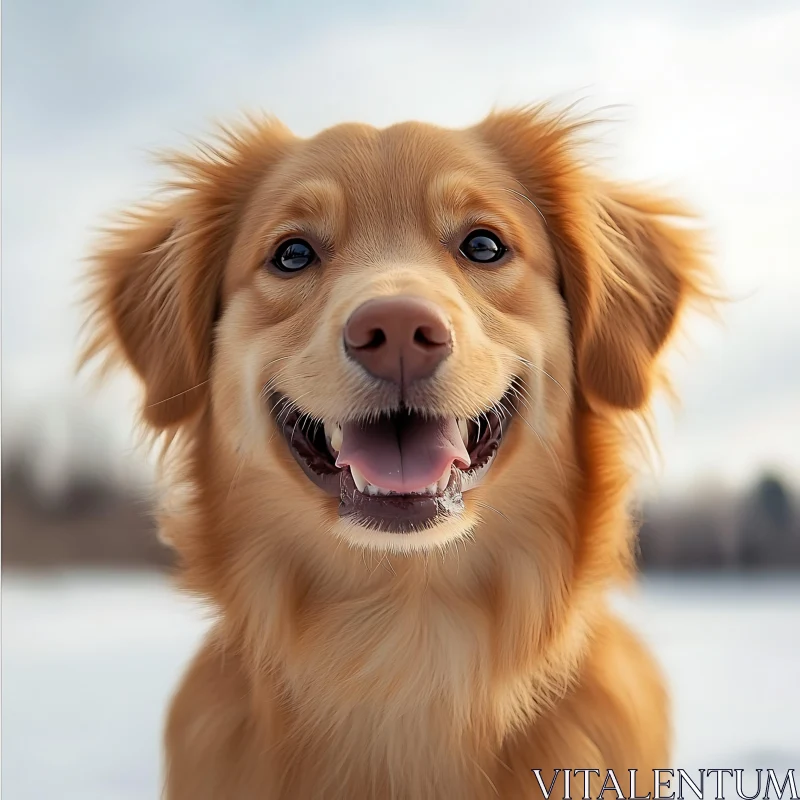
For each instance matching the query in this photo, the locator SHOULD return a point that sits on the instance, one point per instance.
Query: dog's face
(388, 331)
(391, 301)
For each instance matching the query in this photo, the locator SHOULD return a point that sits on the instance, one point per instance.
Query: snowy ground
(731, 650)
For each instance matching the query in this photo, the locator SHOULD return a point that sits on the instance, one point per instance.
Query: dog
(393, 372)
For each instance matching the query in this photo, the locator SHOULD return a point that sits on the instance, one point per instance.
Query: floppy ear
(645, 264)
(155, 282)
(628, 260)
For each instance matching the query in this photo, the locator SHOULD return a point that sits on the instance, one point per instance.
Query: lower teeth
(376, 491)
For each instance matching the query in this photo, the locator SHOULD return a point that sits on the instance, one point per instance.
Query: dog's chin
(439, 535)
(399, 478)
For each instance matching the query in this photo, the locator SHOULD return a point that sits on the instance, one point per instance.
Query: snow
(729, 646)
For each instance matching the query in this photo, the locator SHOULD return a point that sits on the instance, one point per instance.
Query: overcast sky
(706, 103)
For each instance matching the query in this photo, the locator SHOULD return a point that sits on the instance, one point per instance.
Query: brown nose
(400, 339)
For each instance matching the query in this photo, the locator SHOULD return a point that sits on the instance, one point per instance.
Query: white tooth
(336, 438)
(464, 430)
(443, 481)
(360, 480)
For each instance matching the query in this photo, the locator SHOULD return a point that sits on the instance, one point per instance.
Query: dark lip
(399, 513)
(305, 438)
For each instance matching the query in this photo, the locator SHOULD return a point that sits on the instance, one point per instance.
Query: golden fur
(346, 663)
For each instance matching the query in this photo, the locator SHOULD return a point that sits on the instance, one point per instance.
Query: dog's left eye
(483, 247)
(294, 255)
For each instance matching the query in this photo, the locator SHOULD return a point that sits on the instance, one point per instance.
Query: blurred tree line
(91, 520)
(87, 520)
(755, 530)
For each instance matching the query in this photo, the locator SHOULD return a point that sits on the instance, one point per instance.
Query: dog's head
(385, 334)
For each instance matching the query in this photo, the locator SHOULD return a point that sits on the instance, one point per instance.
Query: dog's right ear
(155, 281)
(153, 306)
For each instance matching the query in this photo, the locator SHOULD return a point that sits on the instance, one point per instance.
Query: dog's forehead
(406, 158)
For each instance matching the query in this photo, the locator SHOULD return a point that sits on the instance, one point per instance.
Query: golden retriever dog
(394, 372)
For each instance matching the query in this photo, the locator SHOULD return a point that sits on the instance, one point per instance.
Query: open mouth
(400, 472)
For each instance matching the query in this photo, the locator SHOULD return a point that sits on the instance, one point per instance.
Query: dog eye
(483, 247)
(294, 255)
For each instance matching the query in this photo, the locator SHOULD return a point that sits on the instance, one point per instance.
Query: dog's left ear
(644, 264)
(628, 261)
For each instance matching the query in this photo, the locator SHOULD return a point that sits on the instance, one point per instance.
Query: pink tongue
(403, 456)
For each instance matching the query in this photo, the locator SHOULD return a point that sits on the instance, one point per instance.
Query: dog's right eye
(294, 255)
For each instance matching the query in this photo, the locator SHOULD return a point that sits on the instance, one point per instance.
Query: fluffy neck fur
(407, 669)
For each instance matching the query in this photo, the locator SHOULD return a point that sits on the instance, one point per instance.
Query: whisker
(276, 360)
(481, 504)
(389, 565)
(286, 409)
(485, 415)
(525, 197)
(521, 392)
(296, 423)
(292, 405)
(270, 384)
(275, 377)
(483, 772)
(180, 394)
(544, 372)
